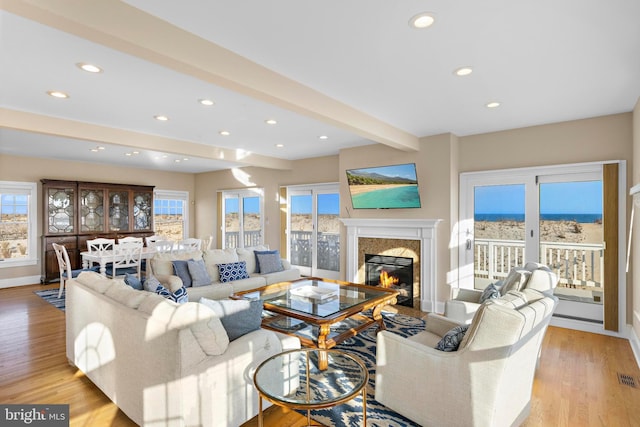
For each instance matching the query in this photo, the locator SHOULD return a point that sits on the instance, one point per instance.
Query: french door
(243, 221)
(552, 215)
(313, 228)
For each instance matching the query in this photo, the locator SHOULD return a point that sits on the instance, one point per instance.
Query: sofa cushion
(181, 269)
(95, 281)
(248, 255)
(515, 280)
(269, 262)
(263, 252)
(199, 274)
(125, 294)
(213, 257)
(233, 271)
(205, 326)
(162, 262)
(239, 317)
(452, 339)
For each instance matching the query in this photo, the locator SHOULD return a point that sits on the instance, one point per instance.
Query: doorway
(553, 215)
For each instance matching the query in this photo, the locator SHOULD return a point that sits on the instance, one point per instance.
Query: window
(171, 214)
(18, 207)
(243, 219)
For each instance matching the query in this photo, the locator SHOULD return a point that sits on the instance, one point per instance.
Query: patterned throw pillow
(180, 296)
(452, 339)
(258, 253)
(233, 271)
(269, 263)
(198, 272)
(490, 292)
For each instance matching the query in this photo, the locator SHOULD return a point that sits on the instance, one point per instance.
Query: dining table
(105, 257)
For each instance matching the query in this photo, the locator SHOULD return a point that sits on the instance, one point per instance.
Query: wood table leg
(323, 358)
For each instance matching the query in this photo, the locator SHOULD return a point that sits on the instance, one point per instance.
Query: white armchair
(486, 382)
(464, 302)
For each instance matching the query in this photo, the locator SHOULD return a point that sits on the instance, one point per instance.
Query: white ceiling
(351, 70)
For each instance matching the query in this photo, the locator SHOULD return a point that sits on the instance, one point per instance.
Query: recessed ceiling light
(161, 118)
(127, 154)
(323, 137)
(164, 156)
(100, 147)
(95, 150)
(422, 20)
(57, 94)
(463, 71)
(280, 145)
(493, 104)
(90, 68)
(271, 122)
(177, 160)
(206, 102)
(185, 159)
(225, 133)
(135, 152)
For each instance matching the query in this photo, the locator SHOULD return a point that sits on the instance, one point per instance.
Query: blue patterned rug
(51, 296)
(363, 345)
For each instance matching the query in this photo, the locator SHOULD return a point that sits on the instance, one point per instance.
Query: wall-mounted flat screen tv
(384, 187)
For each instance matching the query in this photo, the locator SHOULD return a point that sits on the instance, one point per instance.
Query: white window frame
(175, 195)
(30, 188)
(240, 194)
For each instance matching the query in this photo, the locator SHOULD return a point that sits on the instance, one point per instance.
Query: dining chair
(188, 245)
(148, 240)
(100, 245)
(207, 242)
(126, 260)
(162, 245)
(131, 239)
(64, 265)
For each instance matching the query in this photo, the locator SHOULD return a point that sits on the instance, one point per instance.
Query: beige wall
(634, 276)
(31, 169)
(439, 161)
(308, 171)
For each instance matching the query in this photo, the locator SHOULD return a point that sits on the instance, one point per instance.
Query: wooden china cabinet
(76, 211)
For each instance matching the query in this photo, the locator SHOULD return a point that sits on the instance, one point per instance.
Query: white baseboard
(635, 344)
(585, 326)
(19, 281)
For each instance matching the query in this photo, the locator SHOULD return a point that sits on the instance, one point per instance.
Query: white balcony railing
(576, 264)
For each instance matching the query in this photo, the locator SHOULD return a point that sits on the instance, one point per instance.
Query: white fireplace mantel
(423, 230)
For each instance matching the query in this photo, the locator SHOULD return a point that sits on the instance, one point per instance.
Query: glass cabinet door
(61, 208)
(91, 210)
(118, 210)
(142, 203)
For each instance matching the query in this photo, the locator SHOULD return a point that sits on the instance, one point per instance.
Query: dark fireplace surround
(391, 272)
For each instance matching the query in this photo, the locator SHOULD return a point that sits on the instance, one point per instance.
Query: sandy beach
(550, 231)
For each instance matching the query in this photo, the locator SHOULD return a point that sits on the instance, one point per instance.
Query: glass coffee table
(311, 387)
(321, 312)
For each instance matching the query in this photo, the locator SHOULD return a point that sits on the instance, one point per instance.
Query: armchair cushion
(452, 339)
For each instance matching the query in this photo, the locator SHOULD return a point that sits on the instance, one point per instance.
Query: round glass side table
(298, 379)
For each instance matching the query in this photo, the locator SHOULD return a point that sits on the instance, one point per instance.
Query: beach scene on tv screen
(384, 187)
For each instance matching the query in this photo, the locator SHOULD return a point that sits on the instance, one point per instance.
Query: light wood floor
(576, 385)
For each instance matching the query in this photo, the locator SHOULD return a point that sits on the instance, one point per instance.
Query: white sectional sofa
(162, 267)
(164, 363)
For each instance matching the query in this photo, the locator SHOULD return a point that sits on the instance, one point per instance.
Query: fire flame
(387, 280)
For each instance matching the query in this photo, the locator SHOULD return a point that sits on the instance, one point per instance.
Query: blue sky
(405, 171)
(566, 197)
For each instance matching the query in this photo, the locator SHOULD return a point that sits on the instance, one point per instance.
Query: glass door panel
(91, 210)
(571, 244)
(231, 226)
(328, 235)
(252, 221)
(499, 231)
(300, 231)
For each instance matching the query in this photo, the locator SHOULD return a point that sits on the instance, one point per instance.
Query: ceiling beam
(31, 122)
(122, 27)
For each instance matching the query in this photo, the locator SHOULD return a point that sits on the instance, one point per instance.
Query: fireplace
(391, 272)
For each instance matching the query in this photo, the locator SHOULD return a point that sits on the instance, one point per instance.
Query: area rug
(364, 346)
(51, 296)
